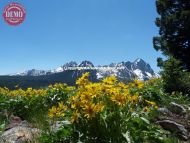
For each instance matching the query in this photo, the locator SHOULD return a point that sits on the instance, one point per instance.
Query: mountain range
(69, 72)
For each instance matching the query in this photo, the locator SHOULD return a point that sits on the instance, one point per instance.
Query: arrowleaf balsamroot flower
(137, 83)
(83, 80)
(91, 109)
(58, 111)
(110, 80)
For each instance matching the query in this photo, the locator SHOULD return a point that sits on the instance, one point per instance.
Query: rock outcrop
(175, 118)
(18, 131)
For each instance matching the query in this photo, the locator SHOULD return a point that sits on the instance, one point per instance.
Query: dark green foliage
(174, 24)
(175, 78)
(69, 77)
(174, 43)
(61, 136)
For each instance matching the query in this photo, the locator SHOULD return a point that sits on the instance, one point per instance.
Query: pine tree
(174, 25)
(174, 43)
(174, 77)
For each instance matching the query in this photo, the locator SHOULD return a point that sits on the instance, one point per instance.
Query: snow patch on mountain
(125, 70)
(148, 74)
(139, 74)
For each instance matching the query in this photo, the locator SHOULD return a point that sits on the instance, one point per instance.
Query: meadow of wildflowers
(105, 111)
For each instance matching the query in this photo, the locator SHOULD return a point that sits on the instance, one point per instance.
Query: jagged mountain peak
(139, 60)
(126, 64)
(123, 70)
(112, 64)
(86, 64)
(128, 70)
(33, 72)
(70, 64)
(140, 64)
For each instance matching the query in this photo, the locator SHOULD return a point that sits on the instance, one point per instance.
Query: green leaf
(145, 120)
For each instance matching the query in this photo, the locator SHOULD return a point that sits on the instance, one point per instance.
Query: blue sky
(56, 32)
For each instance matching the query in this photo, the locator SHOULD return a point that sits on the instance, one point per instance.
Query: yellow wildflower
(150, 103)
(52, 112)
(85, 98)
(75, 117)
(91, 109)
(61, 106)
(156, 107)
(134, 98)
(83, 80)
(99, 107)
(76, 105)
(57, 111)
(119, 99)
(75, 102)
(146, 109)
(110, 80)
(138, 83)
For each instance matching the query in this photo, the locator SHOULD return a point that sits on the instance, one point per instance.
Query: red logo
(14, 14)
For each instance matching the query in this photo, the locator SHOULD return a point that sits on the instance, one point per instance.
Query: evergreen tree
(174, 25)
(174, 43)
(174, 77)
